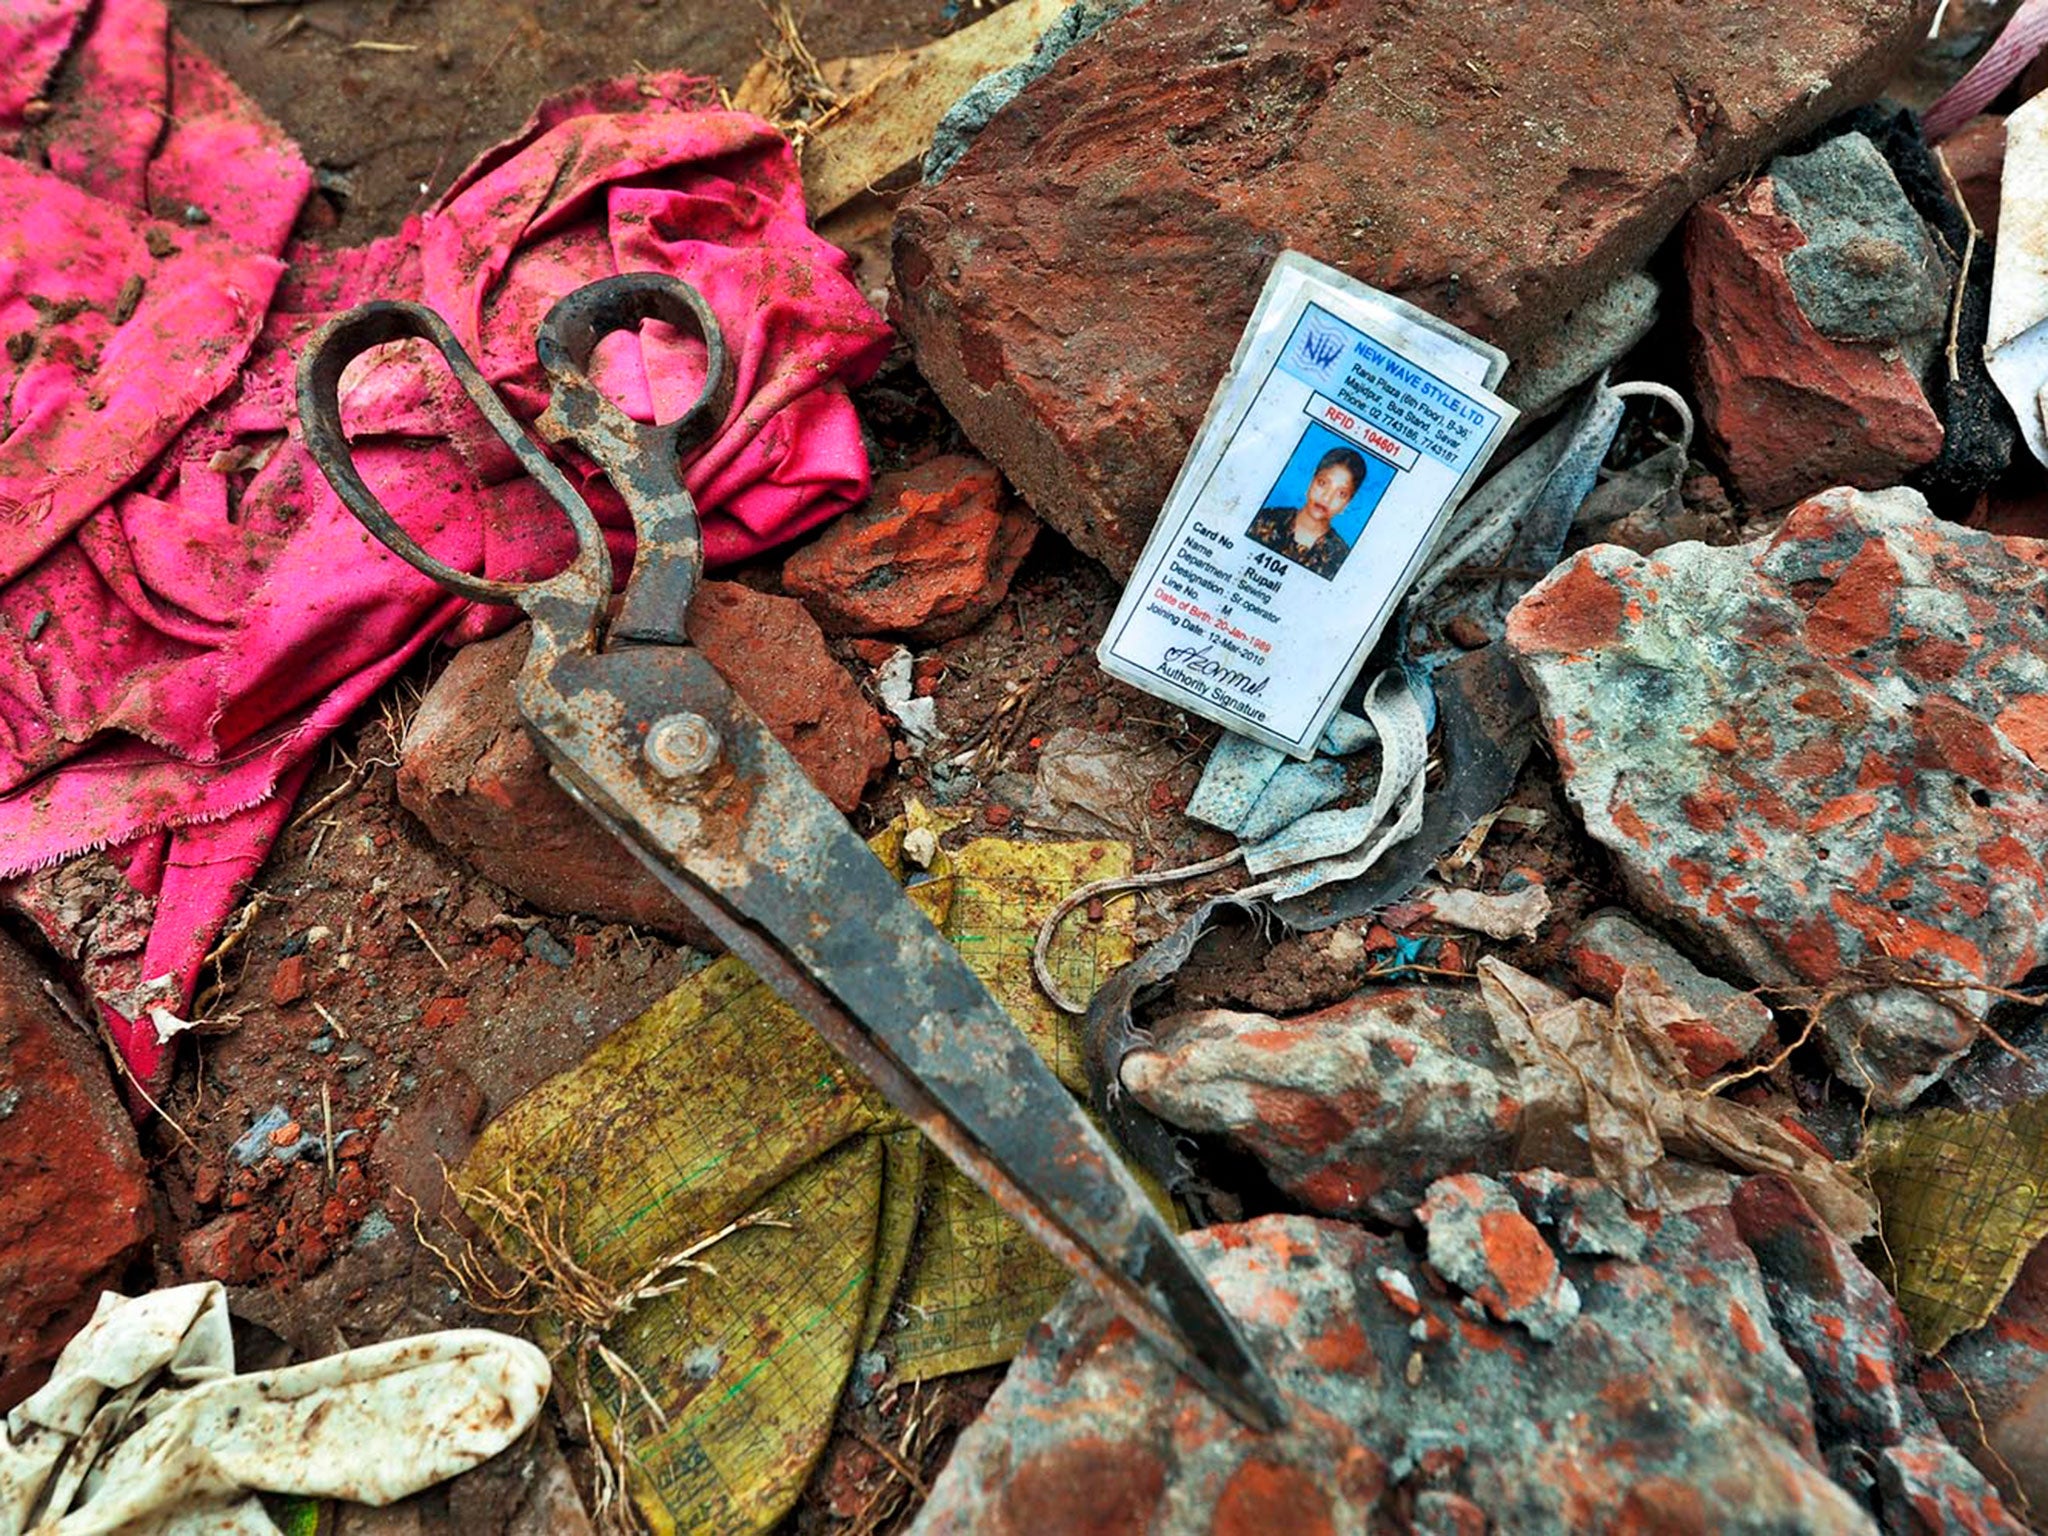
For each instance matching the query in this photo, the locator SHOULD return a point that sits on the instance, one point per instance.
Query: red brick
(1790, 411)
(288, 981)
(930, 556)
(75, 1210)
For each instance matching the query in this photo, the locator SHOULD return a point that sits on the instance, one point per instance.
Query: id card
(1346, 429)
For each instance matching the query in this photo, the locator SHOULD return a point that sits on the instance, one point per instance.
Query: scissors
(641, 730)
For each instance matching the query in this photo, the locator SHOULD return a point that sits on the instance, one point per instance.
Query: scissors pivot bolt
(681, 746)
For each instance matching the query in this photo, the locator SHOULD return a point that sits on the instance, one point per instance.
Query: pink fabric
(35, 34)
(188, 610)
(2024, 36)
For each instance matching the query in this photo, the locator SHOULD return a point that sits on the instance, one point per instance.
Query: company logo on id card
(1318, 345)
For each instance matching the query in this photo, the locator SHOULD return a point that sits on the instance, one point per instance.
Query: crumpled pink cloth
(188, 611)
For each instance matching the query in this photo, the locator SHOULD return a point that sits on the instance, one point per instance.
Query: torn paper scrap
(1516, 914)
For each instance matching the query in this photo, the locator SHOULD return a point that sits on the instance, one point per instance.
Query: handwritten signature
(1197, 661)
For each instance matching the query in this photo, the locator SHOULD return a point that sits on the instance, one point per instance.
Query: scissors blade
(675, 765)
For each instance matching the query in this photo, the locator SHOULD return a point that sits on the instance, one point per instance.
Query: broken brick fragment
(1480, 1241)
(1725, 1026)
(75, 1207)
(471, 772)
(1790, 411)
(928, 557)
(444, 1011)
(288, 981)
(1354, 1109)
(227, 1249)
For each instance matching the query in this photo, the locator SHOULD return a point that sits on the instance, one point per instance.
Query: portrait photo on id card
(1320, 502)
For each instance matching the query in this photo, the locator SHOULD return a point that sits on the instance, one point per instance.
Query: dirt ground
(390, 98)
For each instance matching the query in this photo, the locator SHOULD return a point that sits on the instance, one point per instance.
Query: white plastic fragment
(1497, 914)
(918, 717)
(144, 1425)
(2016, 343)
(920, 847)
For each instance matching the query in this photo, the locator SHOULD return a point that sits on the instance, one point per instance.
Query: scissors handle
(642, 460)
(370, 325)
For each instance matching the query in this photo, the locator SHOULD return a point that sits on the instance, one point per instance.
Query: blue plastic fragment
(1294, 790)
(1408, 950)
(1346, 733)
(1237, 774)
(255, 1141)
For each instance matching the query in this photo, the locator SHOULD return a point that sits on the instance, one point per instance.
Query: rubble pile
(1599, 1070)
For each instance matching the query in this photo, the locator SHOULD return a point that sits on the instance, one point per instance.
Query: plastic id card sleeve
(1347, 427)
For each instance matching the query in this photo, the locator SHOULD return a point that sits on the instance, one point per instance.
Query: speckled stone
(1355, 1109)
(1480, 1241)
(1824, 753)
(1667, 1405)
(1726, 1025)
(1840, 1324)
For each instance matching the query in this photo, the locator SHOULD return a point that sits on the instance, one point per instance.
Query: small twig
(549, 1277)
(327, 825)
(358, 772)
(902, 1468)
(1955, 310)
(421, 934)
(245, 920)
(327, 1130)
(368, 45)
(1416, 968)
(332, 1022)
(239, 929)
(806, 99)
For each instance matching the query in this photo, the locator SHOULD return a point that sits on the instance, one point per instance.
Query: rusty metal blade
(733, 827)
